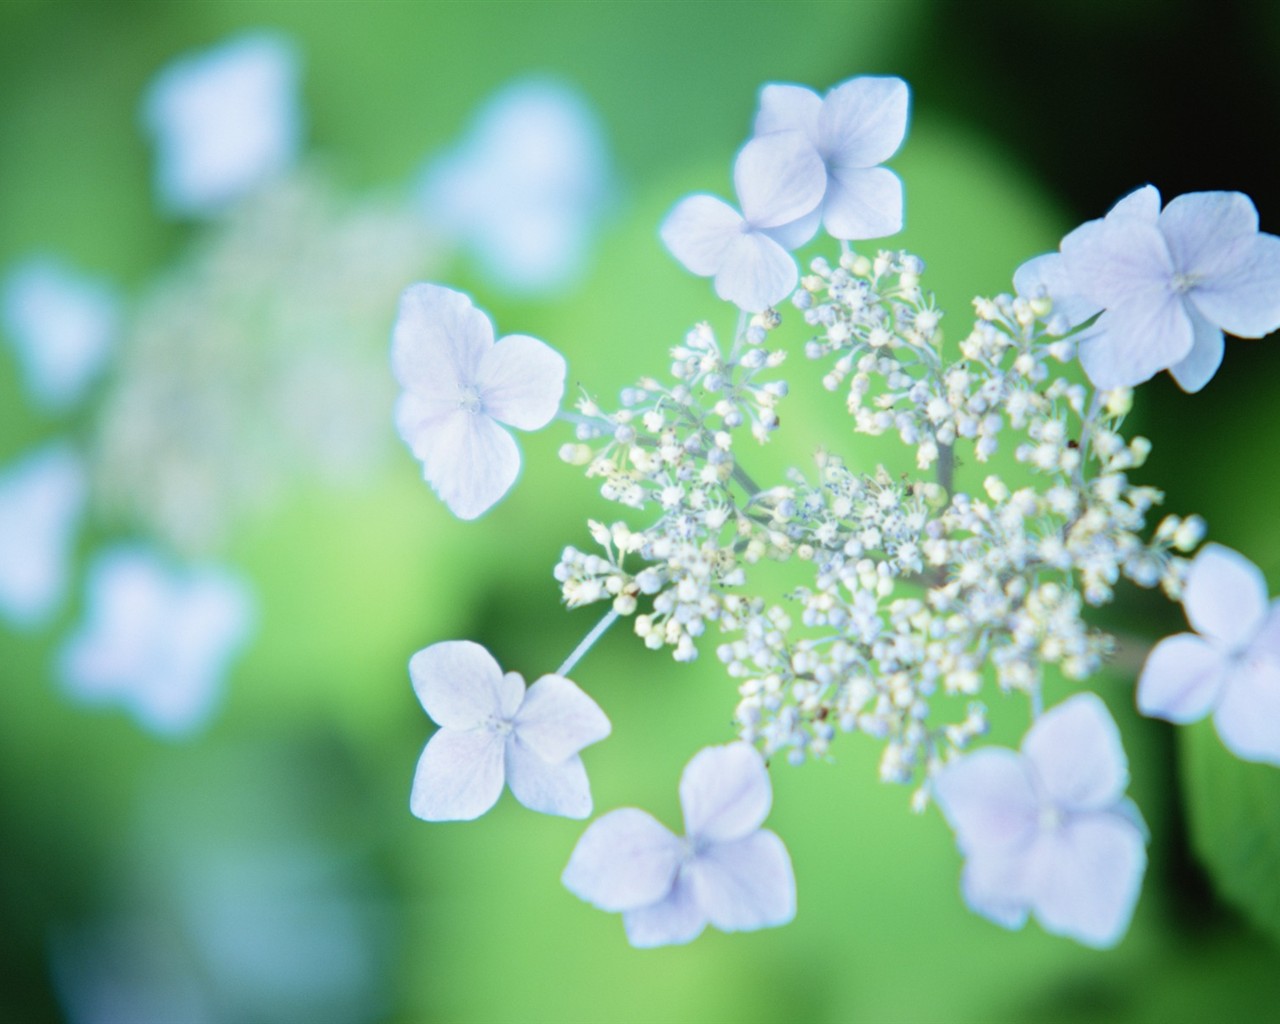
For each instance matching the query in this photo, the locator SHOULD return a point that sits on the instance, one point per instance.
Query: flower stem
(588, 642)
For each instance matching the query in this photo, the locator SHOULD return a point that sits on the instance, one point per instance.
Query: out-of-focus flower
(524, 190)
(1048, 830)
(156, 640)
(42, 498)
(62, 325)
(224, 121)
(1230, 666)
(459, 386)
(726, 870)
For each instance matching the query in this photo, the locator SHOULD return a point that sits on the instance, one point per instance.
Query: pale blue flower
(779, 179)
(492, 730)
(62, 325)
(42, 499)
(1230, 666)
(1047, 830)
(856, 127)
(459, 386)
(525, 188)
(224, 121)
(156, 640)
(1170, 282)
(726, 871)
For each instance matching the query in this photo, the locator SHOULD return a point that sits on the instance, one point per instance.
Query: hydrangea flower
(1048, 830)
(41, 501)
(779, 179)
(492, 729)
(1170, 282)
(224, 121)
(857, 126)
(525, 188)
(459, 386)
(156, 640)
(62, 324)
(1230, 666)
(726, 870)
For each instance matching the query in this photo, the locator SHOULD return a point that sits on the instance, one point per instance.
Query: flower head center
(469, 399)
(1051, 817)
(498, 724)
(1183, 283)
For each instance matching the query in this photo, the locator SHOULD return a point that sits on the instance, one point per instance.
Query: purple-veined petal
(673, 921)
(788, 108)
(698, 232)
(725, 793)
(994, 884)
(1202, 362)
(459, 775)
(1117, 259)
(521, 381)
(1076, 753)
(1047, 275)
(756, 273)
(863, 122)
(988, 799)
(458, 683)
(1225, 596)
(1248, 715)
(797, 232)
(1143, 203)
(779, 177)
(438, 341)
(1202, 229)
(862, 203)
(470, 462)
(1182, 679)
(1246, 301)
(746, 884)
(1085, 877)
(624, 860)
(1135, 340)
(557, 719)
(560, 788)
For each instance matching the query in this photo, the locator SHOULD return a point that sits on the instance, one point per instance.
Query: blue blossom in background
(726, 871)
(1048, 830)
(156, 640)
(224, 121)
(1230, 665)
(492, 729)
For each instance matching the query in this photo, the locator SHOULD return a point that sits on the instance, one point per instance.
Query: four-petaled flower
(458, 386)
(726, 871)
(1230, 665)
(491, 729)
(1048, 830)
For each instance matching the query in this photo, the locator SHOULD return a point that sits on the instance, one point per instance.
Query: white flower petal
(459, 775)
(788, 108)
(521, 381)
(673, 921)
(1143, 203)
(796, 233)
(1047, 276)
(756, 273)
(988, 799)
(1202, 362)
(471, 462)
(994, 884)
(1267, 639)
(862, 203)
(557, 719)
(1076, 753)
(1118, 259)
(1248, 715)
(698, 232)
(1246, 301)
(1225, 596)
(779, 177)
(419, 419)
(560, 788)
(1202, 229)
(863, 122)
(725, 793)
(746, 884)
(438, 341)
(458, 682)
(1085, 878)
(624, 860)
(1135, 340)
(1182, 679)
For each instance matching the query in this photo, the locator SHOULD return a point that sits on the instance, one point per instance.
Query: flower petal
(458, 682)
(788, 108)
(672, 921)
(746, 884)
(1225, 596)
(1245, 302)
(521, 381)
(1248, 716)
(1135, 340)
(862, 203)
(557, 719)
(624, 860)
(1182, 679)
(994, 884)
(1076, 753)
(796, 233)
(438, 341)
(863, 122)
(698, 232)
(1047, 276)
(471, 462)
(1085, 878)
(560, 788)
(1202, 362)
(1143, 203)
(725, 793)
(988, 799)
(459, 775)
(779, 178)
(1117, 259)
(1202, 229)
(756, 273)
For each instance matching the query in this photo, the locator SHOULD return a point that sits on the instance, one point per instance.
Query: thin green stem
(588, 642)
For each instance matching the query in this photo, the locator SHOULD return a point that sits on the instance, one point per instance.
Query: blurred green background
(287, 819)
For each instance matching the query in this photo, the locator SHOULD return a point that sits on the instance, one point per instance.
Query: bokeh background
(266, 867)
